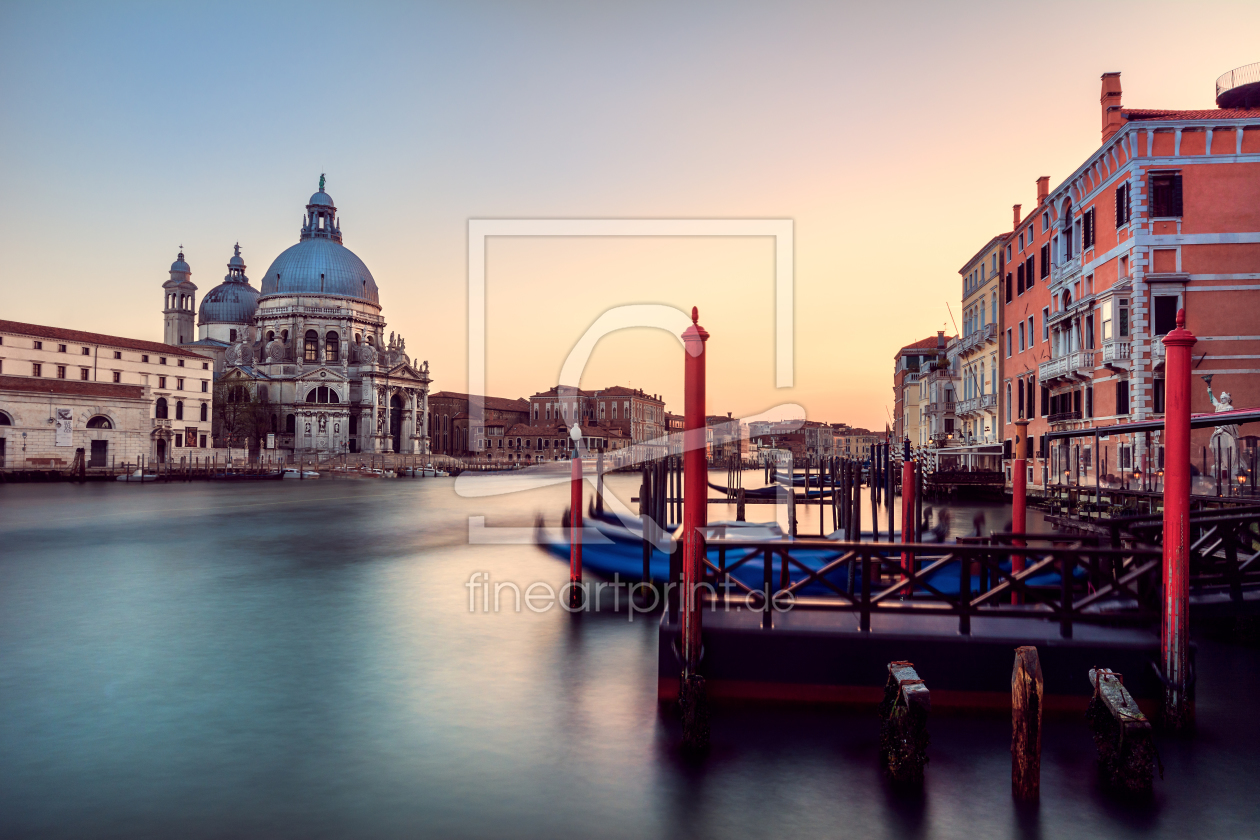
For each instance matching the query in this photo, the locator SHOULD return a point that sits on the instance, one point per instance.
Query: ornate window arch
(159, 408)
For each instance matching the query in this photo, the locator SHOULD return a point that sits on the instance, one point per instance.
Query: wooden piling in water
(1122, 734)
(1027, 691)
(903, 737)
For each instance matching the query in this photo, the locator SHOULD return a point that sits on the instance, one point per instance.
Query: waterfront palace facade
(309, 345)
(1164, 215)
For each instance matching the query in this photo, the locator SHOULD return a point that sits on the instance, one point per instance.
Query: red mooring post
(691, 694)
(1174, 637)
(1019, 500)
(575, 529)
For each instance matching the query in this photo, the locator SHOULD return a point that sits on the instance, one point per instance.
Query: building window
(1087, 229)
(1009, 289)
(87, 351)
(83, 373)
(118, 376)
(161, 381)
(1157, 391)
(144, 359)
(311, 346)
(37, 369)
(1122, 316)
(1123, 207)
(180, 362)
(61, 348)
(1165, 314)
(1021, 336)
(179, 410)
(332, 345)
(1045, 261)
(1089, 401)
(61, 371)
(204, 409)
(290, 424)
(205, 366)
(232, 335)
(1045, 324)
(1019, 279)
(161, 360)
(1122, 396)
(179, 384)
(159, 408)
(117, 354)
(1089, 331)
(205, 386)
(1166, 194)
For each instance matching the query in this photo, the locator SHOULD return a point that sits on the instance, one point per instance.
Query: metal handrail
(1245, 75)
(890, 583)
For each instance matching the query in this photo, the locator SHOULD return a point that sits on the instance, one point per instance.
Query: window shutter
(1119, 204)
(1019, 279)
(1176, 195)
(1028, 273)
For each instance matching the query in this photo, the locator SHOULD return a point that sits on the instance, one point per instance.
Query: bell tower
(179, 304)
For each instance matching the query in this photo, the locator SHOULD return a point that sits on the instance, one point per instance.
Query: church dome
(319, 263)
(315, 266)
(233, 301)
(180, 265)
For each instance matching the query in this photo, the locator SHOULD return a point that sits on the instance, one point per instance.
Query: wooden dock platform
(815, 656)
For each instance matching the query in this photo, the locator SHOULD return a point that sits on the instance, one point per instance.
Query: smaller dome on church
(233, 301)
(180, 265)
(322, 199)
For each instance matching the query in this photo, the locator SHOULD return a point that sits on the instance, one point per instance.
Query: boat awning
(1197, 421)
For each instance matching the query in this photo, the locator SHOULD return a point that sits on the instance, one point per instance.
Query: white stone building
(312, 344)
(117, 398)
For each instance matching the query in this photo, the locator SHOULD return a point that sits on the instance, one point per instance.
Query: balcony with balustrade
(1077, 365)
(1116, 352)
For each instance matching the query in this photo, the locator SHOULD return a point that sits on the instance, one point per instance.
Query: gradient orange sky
(895, 135)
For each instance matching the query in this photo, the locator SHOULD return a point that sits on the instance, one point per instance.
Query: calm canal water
(298, 659)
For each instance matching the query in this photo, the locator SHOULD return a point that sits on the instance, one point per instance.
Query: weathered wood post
(903, 735)
(739, 506)
(1027, 692)
(1019, 500)
(1174, 636)
(692, 701)
(575, 522)
(1122, 734)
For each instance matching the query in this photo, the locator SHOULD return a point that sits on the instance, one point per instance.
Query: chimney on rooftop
(1112, 120)
(1015, 210)
(940, 340)
(1043, 189)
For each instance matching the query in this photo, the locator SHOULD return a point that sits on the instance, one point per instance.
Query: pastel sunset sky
(895, 135)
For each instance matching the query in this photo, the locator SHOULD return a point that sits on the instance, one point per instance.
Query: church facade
(308, 349)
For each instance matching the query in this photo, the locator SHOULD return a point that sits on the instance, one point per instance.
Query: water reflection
(300, 661)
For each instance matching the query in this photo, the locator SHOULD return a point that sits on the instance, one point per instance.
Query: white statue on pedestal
(1224, 442)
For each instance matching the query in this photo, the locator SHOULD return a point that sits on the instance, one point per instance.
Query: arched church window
(332, 396)
(271, 336)
(284, 336)
(5, 420)
(159, 410)
(232, 335)
(331, 342)
(100, 421)
(205, 409)
(179, 410)
(290, 424)
(371, 340)
(312, 345)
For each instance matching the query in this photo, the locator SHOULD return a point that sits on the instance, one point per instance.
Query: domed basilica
(311, 345)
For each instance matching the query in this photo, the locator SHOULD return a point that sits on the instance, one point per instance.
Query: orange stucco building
(1164, 215)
